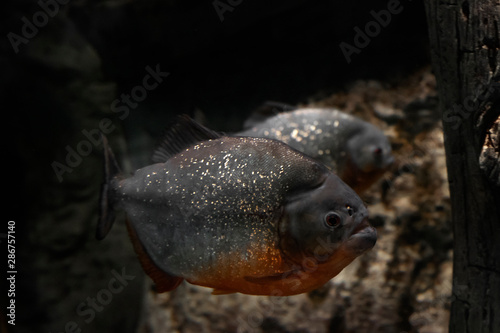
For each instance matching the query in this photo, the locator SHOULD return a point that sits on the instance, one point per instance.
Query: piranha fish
(236, 214)
(358, 152)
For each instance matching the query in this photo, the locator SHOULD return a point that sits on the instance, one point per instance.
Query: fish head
(370, 151)
(325, 220)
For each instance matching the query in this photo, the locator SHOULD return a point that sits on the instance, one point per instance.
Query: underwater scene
(225, 166)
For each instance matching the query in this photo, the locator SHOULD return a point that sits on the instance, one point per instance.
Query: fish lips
(363, 237)
(388, 162)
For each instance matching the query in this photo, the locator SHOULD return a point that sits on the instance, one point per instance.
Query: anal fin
(163, 281)
(222, 292)
(297, 274)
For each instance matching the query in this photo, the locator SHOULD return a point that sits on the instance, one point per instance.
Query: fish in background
(236, 214)
(357, 151)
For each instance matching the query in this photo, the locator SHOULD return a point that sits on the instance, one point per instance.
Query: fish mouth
(363, 238)
(388, 161)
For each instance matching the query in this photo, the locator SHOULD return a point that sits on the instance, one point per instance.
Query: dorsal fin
(184, 133)
(267, 110)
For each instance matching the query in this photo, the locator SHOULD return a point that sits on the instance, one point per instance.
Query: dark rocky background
(66, 79)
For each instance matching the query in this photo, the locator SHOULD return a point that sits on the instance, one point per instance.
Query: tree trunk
(465, 41)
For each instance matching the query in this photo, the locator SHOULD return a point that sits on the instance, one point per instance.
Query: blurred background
(70, 68)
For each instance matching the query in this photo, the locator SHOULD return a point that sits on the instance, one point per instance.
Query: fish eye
(333, 220)
(350, 211)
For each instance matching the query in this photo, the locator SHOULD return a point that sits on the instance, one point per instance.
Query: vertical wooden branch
(465, 42)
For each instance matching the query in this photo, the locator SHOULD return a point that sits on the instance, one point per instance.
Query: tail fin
(106, 211)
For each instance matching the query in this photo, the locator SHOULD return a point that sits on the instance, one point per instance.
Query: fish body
(356, 150)
(236, 214)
